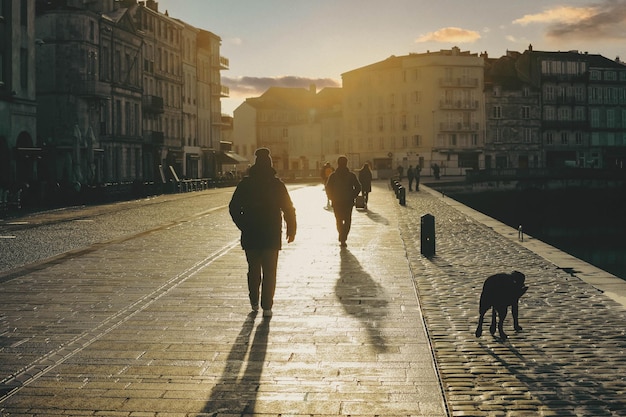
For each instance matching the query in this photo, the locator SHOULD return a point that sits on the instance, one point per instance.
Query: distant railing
(544, 173)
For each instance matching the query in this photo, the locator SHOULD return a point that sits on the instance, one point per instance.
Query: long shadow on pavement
(362, 298)
(234, 393)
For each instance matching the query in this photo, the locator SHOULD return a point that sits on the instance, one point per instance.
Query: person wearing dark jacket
(257, 208)
(342, 188)
(365, 178)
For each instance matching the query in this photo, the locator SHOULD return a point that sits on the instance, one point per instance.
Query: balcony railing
(91, 88)
(224, 63)
(458, 104)
(153, 137)
(458, 127)
(152, 104)
(458, 82)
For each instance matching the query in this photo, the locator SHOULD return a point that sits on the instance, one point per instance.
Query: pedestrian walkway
(159, 325)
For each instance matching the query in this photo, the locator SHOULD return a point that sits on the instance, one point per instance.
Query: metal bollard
(402, 195)
(427, 235)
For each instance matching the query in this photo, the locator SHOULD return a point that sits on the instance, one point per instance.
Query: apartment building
(123, 93)
(417, 109)
(210, 92)
(302, 128)
(579, 110)
(20, 147)
(512, 116)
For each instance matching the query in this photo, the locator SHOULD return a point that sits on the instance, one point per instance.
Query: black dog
(499, 292)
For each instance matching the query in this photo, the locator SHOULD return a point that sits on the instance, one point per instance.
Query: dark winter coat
(342, 187)
(257, 208)
(365, 178)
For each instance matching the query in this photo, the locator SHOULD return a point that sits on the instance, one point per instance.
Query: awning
(230, 157)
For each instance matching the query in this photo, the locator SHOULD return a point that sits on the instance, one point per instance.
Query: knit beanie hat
(263, 157)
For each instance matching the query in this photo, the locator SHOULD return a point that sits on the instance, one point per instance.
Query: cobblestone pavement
(570, 359)
(157, 323)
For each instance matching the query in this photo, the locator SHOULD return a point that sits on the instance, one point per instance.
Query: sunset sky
(294, 43)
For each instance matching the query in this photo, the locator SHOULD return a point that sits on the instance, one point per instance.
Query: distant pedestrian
(342, 188)
(436, 171)
(400, 170)
(417, 173)
(327, 169)
(365, 178)
(257, 207)
(410, 175)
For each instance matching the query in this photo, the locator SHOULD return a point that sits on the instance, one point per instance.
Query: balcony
(458, 127)
(458, 82)
(224, 63)
(152, 104)
(458, 104)
(220, 90)
(153, 137)
(92, 88)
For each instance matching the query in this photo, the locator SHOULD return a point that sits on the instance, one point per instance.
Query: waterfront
(586, 223)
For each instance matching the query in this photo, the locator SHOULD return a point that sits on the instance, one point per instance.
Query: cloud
(245, 87)
(561, 14)
(603, 21)
(450, 34)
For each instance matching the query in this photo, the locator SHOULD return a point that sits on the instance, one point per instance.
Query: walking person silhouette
(257, 208)
(342, 188)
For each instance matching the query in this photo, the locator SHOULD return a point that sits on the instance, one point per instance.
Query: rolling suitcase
(360, 202)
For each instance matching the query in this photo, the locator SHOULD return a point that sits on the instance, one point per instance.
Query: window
(579, 94)
(2, 61)
(24, 67)
(579, 138)
(497, 112)
(595, 118)
(525, 112)
(549, 138)
(417, 141)
(549, 93)
(610, 118)
(528, 135)
(127, 119)
(564, 138)
(24, 13)
(579, 113)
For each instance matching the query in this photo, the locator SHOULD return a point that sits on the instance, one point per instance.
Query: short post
(402, 195)
(427, 235)
(520, 233)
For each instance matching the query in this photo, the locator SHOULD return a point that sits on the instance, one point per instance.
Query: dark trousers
(262, 265)
(343, 217)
